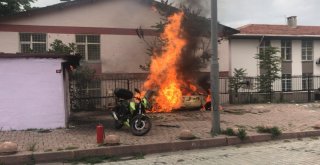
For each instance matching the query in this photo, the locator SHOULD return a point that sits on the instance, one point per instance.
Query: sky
(236, 13)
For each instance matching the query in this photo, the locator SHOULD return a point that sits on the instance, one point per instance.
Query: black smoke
(196, 30)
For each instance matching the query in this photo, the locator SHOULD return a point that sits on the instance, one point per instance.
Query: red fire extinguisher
(100, 133)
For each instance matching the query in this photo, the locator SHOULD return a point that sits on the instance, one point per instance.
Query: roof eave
(273, 36)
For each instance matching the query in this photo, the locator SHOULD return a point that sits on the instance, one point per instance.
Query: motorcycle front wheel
(140, 125)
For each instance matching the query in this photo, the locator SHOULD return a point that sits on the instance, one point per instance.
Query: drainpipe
(258, 66)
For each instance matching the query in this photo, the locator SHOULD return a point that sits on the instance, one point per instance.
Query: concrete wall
(32, 94)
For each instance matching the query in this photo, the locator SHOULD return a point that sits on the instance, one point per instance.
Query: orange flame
(163, 70)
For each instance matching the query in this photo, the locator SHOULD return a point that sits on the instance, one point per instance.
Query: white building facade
(299, 50)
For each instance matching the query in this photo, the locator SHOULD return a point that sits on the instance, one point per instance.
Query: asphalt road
(291, 152)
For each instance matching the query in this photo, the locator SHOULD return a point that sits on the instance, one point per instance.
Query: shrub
(229, 132)
(242, 134)
(274, 131)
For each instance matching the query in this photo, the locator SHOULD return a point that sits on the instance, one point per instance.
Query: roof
(278, 30)
(58, 7)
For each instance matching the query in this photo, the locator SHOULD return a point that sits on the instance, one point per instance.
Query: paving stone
(288, 117)
(8, 148)
(317, 125)
(112, 140)
(186, 135)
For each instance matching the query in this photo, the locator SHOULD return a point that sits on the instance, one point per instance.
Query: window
(307, 81)
(263, 45)
(88, 46)
(307, 50)
(33, 42)
(286, 50)
(286, 82)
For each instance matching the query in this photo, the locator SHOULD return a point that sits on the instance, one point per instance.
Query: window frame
(31, 42)
(284, 47)
(263, 45)
(86, 43)
(305, 83)
(286, 82)
(305, 50)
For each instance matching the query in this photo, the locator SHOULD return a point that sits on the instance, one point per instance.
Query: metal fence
(98, 93)
(284, 89)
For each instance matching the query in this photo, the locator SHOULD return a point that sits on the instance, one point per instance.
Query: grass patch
(71, 148)
(274, 131)
(114, 159)
(60, 149)
(314, 138)
(89, 160)
(139, 156)
(31, 129)
(228, 132)
(48, 150)
(242, 134)
(32, 147)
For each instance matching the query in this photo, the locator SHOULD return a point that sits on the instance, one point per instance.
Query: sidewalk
(166, 127)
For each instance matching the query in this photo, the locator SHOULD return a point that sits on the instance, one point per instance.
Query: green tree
(9, 7)
(270, 67)
(57, 46)
(80, 78)
(237, 81)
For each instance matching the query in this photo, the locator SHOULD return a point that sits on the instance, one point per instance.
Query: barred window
(88, 46)
(307, 50)
(286, 50)
(33, 42)
(286, 82)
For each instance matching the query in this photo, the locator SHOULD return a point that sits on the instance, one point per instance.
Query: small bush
(228, 132)
(242, 134)
(274, 131)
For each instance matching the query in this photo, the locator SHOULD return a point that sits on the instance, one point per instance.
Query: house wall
(316, 67)
(242, 52)
(123, 54)
(32, 94)
(110, 13)
(119, 53)
(223, 54)
(296, 58)
(9, 42)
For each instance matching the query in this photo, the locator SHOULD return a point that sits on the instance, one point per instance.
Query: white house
(299, 48)
(34, 90)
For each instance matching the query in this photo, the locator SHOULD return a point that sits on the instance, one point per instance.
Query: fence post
(308, 86)
(128, 84)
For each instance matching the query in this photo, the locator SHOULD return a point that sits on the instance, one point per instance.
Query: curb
(127, 150)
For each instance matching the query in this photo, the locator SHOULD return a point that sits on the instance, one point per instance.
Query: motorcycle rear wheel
(140, 125)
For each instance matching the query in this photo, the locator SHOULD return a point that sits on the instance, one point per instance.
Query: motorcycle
(130, 113)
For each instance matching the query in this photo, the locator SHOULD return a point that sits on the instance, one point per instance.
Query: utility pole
(214, 73)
